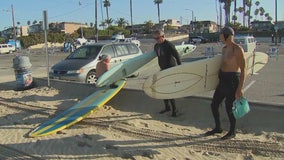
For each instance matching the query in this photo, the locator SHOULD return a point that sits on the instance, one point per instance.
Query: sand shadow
(196, 112)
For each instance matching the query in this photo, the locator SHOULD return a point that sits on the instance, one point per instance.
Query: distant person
(103, 65)
(231, 80)
(167, 57)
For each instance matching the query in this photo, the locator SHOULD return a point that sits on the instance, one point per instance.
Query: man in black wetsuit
(231, 80)
(167, 57)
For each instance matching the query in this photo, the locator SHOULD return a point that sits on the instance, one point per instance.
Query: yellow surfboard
(79, 111)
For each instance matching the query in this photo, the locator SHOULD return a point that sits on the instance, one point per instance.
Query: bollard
(23, 74)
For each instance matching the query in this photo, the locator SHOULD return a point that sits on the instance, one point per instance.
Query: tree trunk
(235, 10)
(249, 13)
(244, 13)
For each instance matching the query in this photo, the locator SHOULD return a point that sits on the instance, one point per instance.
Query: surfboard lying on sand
(194, 77)
(78, 111)
(128, 67)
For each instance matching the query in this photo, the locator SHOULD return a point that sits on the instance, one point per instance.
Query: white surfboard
(194, 77)
(130, 66)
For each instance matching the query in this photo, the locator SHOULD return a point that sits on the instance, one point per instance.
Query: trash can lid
(21, 62)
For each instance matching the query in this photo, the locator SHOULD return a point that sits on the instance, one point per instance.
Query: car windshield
(86, 52)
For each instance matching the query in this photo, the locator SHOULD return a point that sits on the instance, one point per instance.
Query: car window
(240, 41)
(4, 46)
(108, 50)
(132, 48)
(121, 49)
(85, 52)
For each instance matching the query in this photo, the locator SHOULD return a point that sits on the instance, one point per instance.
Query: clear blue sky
(143, 10)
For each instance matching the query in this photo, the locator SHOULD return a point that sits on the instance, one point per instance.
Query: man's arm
(241, 61)
(174, 52)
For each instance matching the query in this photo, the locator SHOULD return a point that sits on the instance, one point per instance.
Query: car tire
(91, 77)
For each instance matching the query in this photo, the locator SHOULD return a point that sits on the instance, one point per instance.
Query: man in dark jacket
(167, 57)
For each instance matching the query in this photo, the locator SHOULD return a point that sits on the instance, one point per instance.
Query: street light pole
(192, 18)
(275, 24)
(131, 17)
(192, 14)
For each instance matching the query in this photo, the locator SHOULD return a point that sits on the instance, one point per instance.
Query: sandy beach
(130, 127)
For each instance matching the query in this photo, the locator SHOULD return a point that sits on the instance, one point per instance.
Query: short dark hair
(227, 31)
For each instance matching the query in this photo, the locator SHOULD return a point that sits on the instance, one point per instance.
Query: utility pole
(275, 23)
(131, 16)
(14, 28)
(80, 5)
(96, 20)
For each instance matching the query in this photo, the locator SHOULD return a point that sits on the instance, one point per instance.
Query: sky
(143, 10)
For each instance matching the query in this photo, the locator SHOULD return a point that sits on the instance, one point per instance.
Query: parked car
(6, 48)
(247, 42)
(80, 65)
(197, 39)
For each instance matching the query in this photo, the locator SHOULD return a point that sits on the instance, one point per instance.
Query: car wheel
(91, 77)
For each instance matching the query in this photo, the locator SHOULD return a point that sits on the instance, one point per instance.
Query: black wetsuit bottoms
(226, 89)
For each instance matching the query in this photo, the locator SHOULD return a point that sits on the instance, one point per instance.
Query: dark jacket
(167, 55)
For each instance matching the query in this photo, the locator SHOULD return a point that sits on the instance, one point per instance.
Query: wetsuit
(167, 57)
(227, 87)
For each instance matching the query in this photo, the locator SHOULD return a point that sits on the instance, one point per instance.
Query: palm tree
(227, 8)
(235, 11)
(244, 12)
(107, 4)
(121, 22)
(109, 21)
(18, 23)
(249, 4)
(158, 2)
(91, 24)
(103, 24)
(148, 26)
(28, 22)
(262, 11)
(256, 11)
(34, 22)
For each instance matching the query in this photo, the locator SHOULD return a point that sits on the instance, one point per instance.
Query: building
(203, 27)
(260, 26)
(24, 30)
(69, 27)
(36, 28)
(280, 25)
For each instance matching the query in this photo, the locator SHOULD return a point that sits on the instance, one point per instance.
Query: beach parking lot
(130, 127)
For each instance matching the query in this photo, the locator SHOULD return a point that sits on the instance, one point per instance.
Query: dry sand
(130, 127)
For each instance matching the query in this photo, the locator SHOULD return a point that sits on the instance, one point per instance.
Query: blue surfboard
(79, 111)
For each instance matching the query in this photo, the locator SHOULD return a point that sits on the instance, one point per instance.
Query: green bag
(240, 107)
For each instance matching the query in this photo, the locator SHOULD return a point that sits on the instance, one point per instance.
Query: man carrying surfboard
(167, 57)
(231, 80)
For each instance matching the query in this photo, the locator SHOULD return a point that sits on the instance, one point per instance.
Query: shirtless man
(231, 80)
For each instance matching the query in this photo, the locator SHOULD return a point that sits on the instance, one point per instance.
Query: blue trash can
(23, 73)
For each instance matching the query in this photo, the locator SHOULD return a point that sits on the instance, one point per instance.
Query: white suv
(80, 65)
(6, 48)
